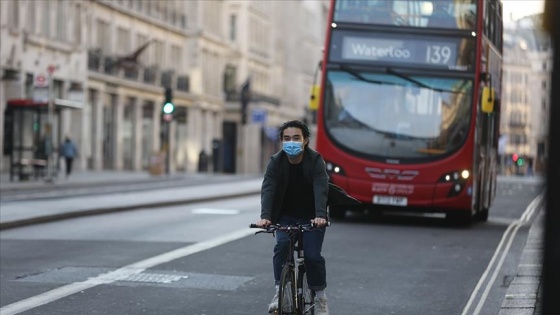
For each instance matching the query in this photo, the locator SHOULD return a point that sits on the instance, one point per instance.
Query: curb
(522, 296)
(90, 212)
(84, 183)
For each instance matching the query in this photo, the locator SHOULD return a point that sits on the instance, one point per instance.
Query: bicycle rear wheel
(286, 294)
(306, 300)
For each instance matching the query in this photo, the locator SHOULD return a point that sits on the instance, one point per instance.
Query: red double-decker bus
(408, 114)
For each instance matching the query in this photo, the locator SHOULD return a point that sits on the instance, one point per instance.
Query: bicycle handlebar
(275, 227)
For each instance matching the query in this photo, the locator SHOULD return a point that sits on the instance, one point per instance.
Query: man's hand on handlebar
(263, 223)
(319, 221)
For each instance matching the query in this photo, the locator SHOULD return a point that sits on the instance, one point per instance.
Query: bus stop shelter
(29, 140)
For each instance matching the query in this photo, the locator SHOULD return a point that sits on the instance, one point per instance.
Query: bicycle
(294, 295)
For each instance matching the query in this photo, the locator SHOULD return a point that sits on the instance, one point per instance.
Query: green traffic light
(521, 161)
(168, 108)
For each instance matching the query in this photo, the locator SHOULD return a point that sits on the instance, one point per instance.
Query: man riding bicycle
(295, 190)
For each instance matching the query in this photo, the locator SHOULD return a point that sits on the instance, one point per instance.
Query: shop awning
(30, 103)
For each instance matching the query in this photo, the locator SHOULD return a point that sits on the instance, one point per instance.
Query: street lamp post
(48, 131)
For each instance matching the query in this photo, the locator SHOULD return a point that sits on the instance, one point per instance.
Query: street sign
(41, 94)
(502, 142)
(41, 81)
(167, 117)
(258, 116)
(51, 69)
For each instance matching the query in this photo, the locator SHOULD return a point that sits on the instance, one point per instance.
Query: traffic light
(168, 106)
(519, 160)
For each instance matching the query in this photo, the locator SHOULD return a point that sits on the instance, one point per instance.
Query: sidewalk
(523, 294)
(86, 178)
(13, 214)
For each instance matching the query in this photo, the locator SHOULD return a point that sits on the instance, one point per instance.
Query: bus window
(448, 14)
(386, 116)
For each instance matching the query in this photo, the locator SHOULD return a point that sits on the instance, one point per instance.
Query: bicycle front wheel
(306, 299)
(286, 294)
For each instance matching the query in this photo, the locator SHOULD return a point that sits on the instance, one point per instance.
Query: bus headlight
(457, 179)
(455, 176)
(334, 169)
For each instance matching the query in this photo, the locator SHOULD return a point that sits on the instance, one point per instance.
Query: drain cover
(153, 278)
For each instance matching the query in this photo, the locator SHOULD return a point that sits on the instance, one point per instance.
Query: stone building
(116, 59)
(42, 41)
(526, 82)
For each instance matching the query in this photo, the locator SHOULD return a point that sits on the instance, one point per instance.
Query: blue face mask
(292, 148)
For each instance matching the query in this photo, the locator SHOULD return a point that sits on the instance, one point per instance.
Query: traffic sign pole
(49, 130)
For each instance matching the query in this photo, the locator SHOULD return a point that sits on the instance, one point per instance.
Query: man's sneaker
(273, 306)
(321, 306)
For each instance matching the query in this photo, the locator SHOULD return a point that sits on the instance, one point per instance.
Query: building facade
(116, 58)
(42, 42)
(525, 101)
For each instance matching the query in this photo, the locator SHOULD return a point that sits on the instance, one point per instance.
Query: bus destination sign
(414, 51)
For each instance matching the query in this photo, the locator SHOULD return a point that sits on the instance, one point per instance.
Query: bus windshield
(395, 116)
(448, 14)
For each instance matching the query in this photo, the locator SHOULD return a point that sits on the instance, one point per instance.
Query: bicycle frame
(295, 265)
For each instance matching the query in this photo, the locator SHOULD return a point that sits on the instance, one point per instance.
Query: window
(61, 19)
(13, 15)
(46, 19)
(31, 17)
(176, 57)
(103, 40)
(123, 41)
(232, 27)
(141, 40)
(157, 57)
(78, 24)
(230, 79)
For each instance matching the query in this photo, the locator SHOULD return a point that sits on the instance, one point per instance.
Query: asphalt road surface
(202, 259)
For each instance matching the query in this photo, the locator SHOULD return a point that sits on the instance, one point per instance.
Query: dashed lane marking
(215, 211)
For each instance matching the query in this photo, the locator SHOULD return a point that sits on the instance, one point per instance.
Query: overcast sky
(520, 8)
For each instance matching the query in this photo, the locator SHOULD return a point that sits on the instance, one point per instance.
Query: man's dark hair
(295, 124)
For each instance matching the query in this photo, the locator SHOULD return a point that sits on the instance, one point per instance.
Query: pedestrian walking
(68, 151)
(294, 191)
(530, 167)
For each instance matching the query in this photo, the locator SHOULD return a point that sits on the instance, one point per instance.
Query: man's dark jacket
(276, 181)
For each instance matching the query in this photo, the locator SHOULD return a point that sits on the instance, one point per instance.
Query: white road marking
(507, 237)
(215, 211)
(120, 274)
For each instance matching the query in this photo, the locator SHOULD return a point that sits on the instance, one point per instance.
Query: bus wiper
(360, 77)
(418, 83)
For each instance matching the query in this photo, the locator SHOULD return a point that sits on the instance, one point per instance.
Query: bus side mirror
(487, 102)
(314, 99)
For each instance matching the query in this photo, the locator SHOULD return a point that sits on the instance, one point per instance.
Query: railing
(145, 74)
(234, 96)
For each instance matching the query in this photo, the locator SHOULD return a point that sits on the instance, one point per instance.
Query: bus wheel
(481, 210)
(459, 218)
(337, 213)
(482, 214)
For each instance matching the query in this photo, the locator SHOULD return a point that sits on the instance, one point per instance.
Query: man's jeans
(312, 245)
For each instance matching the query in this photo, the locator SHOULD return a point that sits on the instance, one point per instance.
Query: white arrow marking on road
(120, 274)
(215, 211)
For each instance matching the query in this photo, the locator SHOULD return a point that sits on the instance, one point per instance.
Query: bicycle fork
(300, 280)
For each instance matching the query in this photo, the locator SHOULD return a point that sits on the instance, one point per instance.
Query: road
(202, 259)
